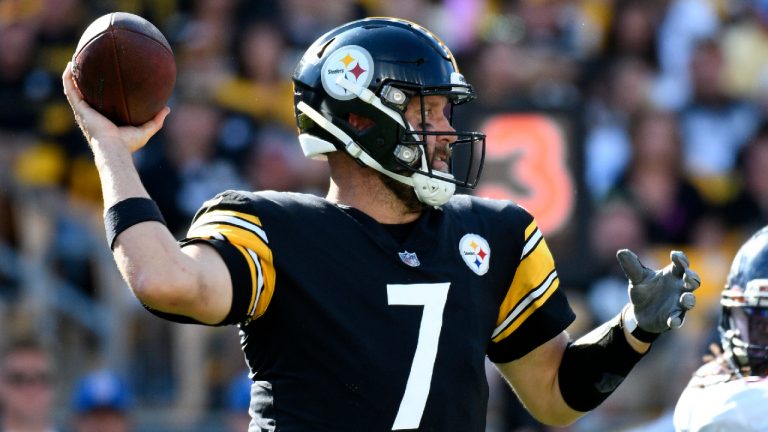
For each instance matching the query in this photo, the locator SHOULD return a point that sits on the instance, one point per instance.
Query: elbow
(156, 289)
(146, 287)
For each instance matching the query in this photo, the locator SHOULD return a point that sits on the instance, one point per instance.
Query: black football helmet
(373, 68)
(744, 318)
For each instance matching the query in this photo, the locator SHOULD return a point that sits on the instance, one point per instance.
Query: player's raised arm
(163, 276)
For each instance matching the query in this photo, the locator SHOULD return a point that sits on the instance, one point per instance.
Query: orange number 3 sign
(526, 163)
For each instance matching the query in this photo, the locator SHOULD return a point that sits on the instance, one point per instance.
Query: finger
(679, 263)
(70, 91)
(156, 123)
(675, 320)
(73, 94)
(687, 300)
(691, 280)
(631, 265)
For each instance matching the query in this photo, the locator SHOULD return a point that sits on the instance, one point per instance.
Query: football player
(730, 392)
(375, 307)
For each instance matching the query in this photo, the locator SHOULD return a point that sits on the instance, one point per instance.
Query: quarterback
(375, 307)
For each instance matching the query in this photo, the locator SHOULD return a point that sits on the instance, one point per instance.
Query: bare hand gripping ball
(125, 68)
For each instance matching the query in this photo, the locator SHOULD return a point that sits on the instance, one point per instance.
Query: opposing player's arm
(193, 281)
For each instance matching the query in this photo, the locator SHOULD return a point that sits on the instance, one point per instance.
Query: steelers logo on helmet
(350, 62)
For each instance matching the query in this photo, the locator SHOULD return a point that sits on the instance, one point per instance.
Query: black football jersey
(346, 328)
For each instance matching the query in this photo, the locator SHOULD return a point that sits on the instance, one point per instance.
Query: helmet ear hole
(360, 123)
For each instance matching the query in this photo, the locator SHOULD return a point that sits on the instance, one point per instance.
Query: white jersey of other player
(717, 401)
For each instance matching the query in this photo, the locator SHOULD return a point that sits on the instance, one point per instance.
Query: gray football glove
(660, 298)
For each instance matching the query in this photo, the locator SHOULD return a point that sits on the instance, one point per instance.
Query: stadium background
(619, 123)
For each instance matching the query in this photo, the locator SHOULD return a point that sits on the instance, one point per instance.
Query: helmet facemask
(409, 160)
(744, 327)
(465, 151)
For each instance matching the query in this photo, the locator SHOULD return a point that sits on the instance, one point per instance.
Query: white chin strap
(429, 190)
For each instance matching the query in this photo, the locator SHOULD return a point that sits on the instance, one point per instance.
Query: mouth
(440, 164)
(440, 160)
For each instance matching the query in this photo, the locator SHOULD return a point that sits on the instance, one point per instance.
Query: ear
(359, 122)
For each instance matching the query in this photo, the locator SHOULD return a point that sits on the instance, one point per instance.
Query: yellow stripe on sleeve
(249, 240)
(530, 229)
(534, 282)
(515, 321)
(227, 217)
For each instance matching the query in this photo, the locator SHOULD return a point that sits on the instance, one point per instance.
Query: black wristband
(128, 213)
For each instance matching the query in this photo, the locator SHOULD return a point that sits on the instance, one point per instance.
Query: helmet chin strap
(429, 190)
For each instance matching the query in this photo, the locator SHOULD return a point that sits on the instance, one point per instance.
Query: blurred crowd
(636, 124)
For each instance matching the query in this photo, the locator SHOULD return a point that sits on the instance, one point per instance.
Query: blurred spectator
(685, 24)
(303, 21)
(277, 163)
(18, 110)
(257, 92)
(613, 103)
(201, 40)
(616, 224)
(506, 72)
(27, 387)
(633, 32)
(189, 170)
(748, 211)
(655, 183)
(745, 52)
(547, 24)
(714, 125)
(101, 403)
(456, 22)
(261, 85)
(60, 24)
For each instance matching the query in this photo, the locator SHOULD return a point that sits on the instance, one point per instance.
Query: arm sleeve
(228, 224)
(534, 309)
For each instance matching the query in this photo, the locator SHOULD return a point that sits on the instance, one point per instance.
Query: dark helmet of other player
(373, 68)
(744, 320)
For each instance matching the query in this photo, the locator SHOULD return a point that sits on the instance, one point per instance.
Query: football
(125, 68)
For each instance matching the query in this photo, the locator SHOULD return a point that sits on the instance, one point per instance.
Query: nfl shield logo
(409, 258)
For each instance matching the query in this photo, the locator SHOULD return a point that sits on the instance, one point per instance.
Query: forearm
(117, 173)
(595, 365)
(146, 253)
(534, 380)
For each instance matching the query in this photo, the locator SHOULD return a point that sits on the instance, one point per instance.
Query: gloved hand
(660, 298)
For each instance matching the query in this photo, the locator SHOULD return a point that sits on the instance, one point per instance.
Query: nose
(444, 125)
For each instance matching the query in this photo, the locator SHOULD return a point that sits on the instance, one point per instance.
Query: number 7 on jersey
(432, 297)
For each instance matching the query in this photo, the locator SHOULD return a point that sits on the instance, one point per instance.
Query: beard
(404, 193)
